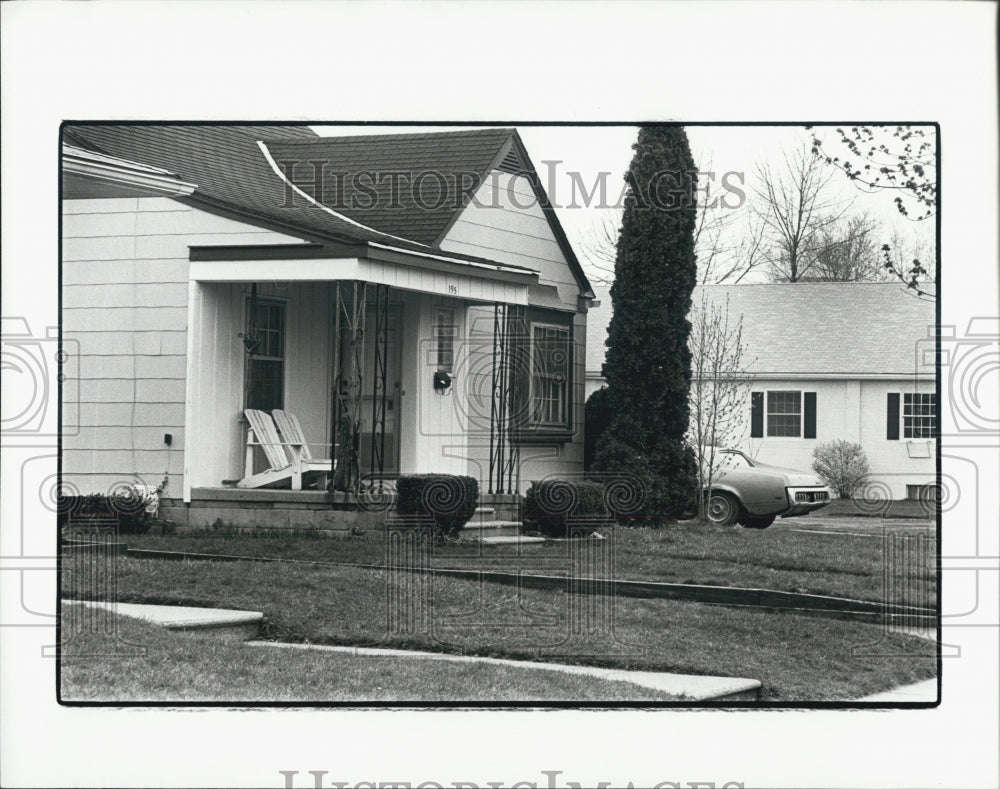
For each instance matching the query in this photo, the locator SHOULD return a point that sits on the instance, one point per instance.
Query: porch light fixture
(442, 382)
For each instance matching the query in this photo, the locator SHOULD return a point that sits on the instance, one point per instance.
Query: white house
(416, 285)
(829, 360)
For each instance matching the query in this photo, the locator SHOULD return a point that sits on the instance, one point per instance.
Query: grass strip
(797, 658)
(836, 565)
(192, 667)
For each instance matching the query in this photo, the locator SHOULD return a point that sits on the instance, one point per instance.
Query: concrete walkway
(690, 687)
(231, 623)
(225, 622)
(925, 691)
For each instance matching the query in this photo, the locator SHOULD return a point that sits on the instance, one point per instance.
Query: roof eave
(586, 289)
(441, 262)
(110, 169)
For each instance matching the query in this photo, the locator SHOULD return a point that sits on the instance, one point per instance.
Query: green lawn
(188, 666)
(797, 658)
(897, 508)
(842, 565)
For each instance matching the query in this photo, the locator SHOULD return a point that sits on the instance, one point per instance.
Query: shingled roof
(845, 329)
(419, 182)
(231, 168)
(225, 162)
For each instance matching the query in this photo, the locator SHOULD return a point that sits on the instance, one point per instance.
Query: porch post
(509, 370)
(379, 389)
(518, 370)
(347, 431)
(335, 386)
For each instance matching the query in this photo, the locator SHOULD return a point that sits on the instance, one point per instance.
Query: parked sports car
(753, 494)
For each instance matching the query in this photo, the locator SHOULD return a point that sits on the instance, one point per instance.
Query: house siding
(125, 307)
(855, 411)
(505, 223)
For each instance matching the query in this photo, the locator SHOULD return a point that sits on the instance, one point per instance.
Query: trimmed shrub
(126, 507)
(597, 416)
(562, 508)
(449, 499)
(842, 465)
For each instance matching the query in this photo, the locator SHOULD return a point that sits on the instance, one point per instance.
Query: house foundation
(329, 513)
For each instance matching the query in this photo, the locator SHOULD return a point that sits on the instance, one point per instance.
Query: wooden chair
(294, 464)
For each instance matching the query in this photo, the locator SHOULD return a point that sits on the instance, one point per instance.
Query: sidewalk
(229, 623)
(691, 687)
(925, 691)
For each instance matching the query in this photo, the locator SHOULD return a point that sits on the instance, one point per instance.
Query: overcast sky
(559, 152)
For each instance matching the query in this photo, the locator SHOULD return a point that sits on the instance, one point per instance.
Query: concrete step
(481, 530)
(226, 623)
(492, 524)
(509, 539)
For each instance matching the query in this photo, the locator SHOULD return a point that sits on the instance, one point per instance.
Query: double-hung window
(550, 376)
(266, 362)
(919, 415)
(783, 413)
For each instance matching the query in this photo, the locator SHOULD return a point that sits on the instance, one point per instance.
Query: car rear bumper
(804, 509)
(805, 500)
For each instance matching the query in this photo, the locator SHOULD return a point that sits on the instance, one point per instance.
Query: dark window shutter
(809, 422)
(892, 416)
(756, 415)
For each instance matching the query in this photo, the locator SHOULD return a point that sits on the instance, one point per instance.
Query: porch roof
(435, 272)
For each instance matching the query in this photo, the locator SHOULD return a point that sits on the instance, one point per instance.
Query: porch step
(493, 527)
(492, 524)
(509, 539)
(491, 530)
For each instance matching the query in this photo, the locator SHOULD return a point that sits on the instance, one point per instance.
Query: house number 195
(453, 289)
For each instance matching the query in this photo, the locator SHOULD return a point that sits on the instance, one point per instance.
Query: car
(753, 494)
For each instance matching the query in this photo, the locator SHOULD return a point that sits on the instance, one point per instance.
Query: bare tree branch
(720, 387)
(795, 210)
(849, 252)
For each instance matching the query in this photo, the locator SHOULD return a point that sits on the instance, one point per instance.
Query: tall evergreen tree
(648, 363)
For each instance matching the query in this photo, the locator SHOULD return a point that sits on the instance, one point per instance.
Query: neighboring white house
(421, 280)
(831, 360)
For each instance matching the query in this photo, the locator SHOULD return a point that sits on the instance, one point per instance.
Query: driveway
(860, 526)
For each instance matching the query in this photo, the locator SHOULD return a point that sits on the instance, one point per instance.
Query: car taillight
(809, 496)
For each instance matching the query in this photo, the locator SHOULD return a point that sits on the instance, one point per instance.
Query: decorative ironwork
(509, 342)
(379, 388)
(348, 355)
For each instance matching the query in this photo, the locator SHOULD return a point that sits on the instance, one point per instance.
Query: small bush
(450, 499)
(842, 465)
(554, 506)
(127, 506)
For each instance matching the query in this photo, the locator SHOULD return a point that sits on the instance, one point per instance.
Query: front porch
(392, 374)
(325, 512)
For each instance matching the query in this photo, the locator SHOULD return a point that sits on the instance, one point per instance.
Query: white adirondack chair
(287, 454)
